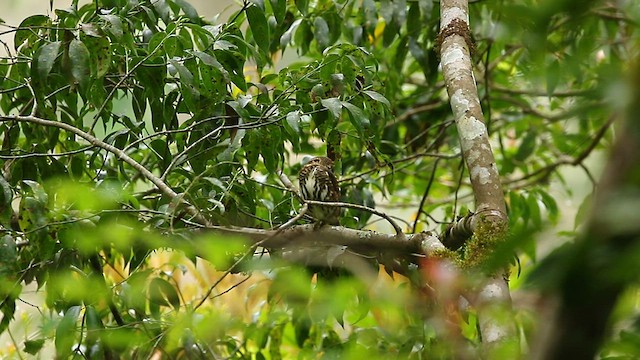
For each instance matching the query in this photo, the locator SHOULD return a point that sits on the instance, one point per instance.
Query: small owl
(317, 182)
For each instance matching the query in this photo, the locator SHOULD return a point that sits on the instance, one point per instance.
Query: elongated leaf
(208, 59)
(162, 293)
(279, 9)
(6, 195)
(358, 118)
(534, 210)
(527, 147)
(334, 105)
(8, 306)
(550, 204)
(414, 24)
(100, 52)
(303, 6)
(186, 77)
(8, 258)
(45, 58)
(259, 27)
(188, 10)
(25, 31)
(115, 25)
(163, 9)
(321, 32)
(293, 119)
(377, 97)
(79, 60)
(93, 322)
(66, 332)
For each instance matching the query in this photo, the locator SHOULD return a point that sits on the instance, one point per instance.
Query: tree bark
(490, 210)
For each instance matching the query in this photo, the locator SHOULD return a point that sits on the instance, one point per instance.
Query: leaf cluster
(217, 110)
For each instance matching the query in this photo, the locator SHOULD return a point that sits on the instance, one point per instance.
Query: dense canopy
(150, 158)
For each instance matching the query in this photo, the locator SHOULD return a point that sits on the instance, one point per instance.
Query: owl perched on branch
(317, 182)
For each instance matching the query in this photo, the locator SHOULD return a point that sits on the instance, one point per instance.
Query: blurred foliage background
(98, 261)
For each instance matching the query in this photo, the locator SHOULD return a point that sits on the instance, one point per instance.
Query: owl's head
(321, 160)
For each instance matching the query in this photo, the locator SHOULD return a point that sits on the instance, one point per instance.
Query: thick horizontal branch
(359, 240)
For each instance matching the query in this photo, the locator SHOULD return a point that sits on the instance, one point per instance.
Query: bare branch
(395, 225)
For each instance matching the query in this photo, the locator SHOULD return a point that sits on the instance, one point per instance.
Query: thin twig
(395, 225)
(127, 75)
(293, 220)
(180, 156)
(425, 194)
(398, 161)
(30, 155)
(168, 191)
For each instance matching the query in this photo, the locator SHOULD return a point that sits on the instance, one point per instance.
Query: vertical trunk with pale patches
(493, 297)
(463, 95)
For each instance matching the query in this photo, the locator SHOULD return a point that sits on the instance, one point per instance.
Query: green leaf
(8, 305)
(302, 327)
(188, 10)
(78, 166)
(115, 25)
(251, 145)
(33, 347)
(45, 58)
(334, 105)
(534, 210)
(79, 60)
(527, 147)
(377, 97)
(259, 27)
(303, 36)
(27, 32)
(279, 8)
(584, 211)
(162, 8)
(6, 197)
(293, 120)
(553, 76)
(292, 128)
(550, 204)
(172, 46)
(270, 153)
(139, 107)
(303, 6)
(358, 118)
(414, 23)
(162, 293)
(285, 39)
(186, 76)
(209, 60)
(100, 52)
(321, 32)
(93, 322)
(161, 148)
(234, 66)
(8, 258)
(66, 332)
(37, 190)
